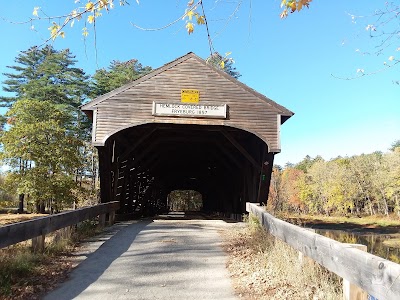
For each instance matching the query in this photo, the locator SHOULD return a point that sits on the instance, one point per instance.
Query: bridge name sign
(189, 110)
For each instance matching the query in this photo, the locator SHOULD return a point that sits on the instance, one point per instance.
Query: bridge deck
(161, 259)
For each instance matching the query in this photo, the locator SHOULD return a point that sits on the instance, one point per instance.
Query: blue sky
(290, 61)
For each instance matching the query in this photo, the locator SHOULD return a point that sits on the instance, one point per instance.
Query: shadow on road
(97, 263)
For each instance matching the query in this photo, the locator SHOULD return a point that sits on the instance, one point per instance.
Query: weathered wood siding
(133, 106)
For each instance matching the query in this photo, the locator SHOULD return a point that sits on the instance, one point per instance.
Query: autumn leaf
(200, 20)
(305, 2)
(300, 5)
(11, 120)
(54, 30)
(35, 11)
(85, 32)
(75, 15)
(89, 6)
(103, 4)
(90, 19)
(293, 6)
(189, 27)
(190, 14)
(284, 14)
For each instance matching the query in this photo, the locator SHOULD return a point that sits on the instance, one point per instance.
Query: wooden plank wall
(378, 276)
(134, 106)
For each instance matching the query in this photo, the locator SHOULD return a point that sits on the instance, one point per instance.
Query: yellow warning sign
(190, 96)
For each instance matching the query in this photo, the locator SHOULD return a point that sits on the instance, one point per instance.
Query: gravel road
(153, 259)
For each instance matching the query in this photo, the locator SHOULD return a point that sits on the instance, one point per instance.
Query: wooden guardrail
(22, 231)
(377, 276)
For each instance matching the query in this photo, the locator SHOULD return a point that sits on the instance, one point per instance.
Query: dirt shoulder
(6, 219)
(28, 275)
(262, 268)
(33, 275)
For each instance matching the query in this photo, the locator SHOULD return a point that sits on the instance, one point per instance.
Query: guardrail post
(67, 232)
(111, 218)
(63, 233)
(351, 291)
(102, 220)
(38, 243)
(303, 259)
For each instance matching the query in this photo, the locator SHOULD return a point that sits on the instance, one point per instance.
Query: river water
(373, 241)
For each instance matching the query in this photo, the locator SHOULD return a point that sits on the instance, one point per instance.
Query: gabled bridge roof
(132, 104)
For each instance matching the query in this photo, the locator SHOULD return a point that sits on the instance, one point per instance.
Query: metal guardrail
(22, 231)
(375, 275)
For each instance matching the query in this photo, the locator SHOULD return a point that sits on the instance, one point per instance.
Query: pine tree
(117, 74)
(50, 76)
(46, 74)
(224, 64)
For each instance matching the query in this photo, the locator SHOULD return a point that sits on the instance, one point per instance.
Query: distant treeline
(363, 184)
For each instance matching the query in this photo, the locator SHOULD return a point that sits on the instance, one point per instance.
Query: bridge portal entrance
(185, 126)
(184, 200)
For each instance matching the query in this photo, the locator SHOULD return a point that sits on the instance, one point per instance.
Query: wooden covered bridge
(185, 126)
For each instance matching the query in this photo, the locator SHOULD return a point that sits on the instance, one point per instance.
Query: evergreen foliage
(224, 64)
(117, 75)
(395, 145)
(47, 141)
(46, 74)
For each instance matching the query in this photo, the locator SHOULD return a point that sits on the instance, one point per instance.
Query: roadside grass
(263, 267)
(393, 243)
(27, 275)
(9, 218)
(16, 264)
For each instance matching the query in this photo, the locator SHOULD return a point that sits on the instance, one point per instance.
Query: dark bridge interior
(141, 165)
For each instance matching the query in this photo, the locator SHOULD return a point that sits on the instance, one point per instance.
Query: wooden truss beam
(239, 147)
(138, 142)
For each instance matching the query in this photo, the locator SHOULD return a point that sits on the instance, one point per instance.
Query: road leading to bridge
(160, 259)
